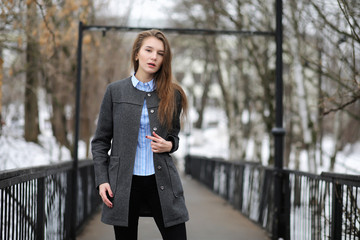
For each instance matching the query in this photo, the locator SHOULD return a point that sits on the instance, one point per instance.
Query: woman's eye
(161, 54)
(148, 50)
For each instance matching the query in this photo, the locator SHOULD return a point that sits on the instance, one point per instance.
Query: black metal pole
(337, 211)
(183, 31)
(279, 229)
(40, 213)
(76, 136)
(279, 131)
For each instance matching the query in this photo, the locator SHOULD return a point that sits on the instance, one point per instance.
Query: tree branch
(342, 106)
(332, 26)
(53, 37)
(345, 11)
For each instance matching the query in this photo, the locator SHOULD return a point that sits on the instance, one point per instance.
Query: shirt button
(159, 167)
(149, 94)
(162, 188)
(155, 128)
(152, 111)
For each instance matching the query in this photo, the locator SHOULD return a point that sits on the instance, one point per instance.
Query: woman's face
(150, 57)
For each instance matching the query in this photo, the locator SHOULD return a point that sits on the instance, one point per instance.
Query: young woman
(139, 122)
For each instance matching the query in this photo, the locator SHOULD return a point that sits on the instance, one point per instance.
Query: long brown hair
(165, 83)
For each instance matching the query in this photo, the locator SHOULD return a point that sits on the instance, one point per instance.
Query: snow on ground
(15, 152)
(212, 141)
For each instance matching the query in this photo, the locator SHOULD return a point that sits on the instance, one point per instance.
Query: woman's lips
(152, 65)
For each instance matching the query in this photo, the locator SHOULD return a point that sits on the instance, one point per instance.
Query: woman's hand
(158, 144)
(105, 191)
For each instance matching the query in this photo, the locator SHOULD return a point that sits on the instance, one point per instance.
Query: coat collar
(138, 96)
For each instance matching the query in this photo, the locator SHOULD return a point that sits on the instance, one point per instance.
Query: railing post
(336, 218)
(240, 181)
(267, 181)
(285, 211)
(227, 174)
(76, 135)
(187, 165)
(40, 211)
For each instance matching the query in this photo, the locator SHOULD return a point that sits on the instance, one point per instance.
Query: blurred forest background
(232, 74)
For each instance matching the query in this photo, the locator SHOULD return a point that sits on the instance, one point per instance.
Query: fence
(322, 206)
(36, 203)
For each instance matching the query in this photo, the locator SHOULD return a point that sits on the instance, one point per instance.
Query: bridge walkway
(211, 218)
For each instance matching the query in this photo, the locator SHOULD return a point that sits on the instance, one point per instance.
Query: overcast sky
(143, 12)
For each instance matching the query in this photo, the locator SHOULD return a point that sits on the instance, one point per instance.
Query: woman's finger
(105, 191)
(107, 202)
(108, 189)
(157, 136)
(158, 144)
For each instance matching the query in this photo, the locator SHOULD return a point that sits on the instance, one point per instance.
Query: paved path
(211, 218)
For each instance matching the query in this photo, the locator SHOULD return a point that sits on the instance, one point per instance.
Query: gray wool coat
(117, 130)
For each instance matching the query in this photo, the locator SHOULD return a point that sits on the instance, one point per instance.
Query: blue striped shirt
(144, 163)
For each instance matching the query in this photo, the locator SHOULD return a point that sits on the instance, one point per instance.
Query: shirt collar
(150, 86)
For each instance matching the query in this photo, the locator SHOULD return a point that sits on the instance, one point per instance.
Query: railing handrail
(322, 206)
(37, 202)
(348, 179)
(14, 176)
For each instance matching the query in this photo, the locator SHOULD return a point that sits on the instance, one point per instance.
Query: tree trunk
(337, 133)
(320, 111)
(299, 77)
(206, 80)
(59, 123)
(289, 137)
(31, 130)
(233, 138)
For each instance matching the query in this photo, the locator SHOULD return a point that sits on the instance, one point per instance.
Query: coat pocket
(113, 172)
(174, 178)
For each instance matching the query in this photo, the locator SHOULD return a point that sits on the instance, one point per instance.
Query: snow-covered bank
(15, 152)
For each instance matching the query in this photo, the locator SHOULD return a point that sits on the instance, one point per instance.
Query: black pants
(144, 194)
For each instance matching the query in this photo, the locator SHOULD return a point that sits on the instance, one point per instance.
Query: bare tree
(338, 69)
(317, 66)
(51, 29)
(242, 70)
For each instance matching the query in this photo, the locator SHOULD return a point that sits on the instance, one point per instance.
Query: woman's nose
(153, 56)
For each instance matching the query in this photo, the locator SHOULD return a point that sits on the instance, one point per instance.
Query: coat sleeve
(101, 143)
(173, 134)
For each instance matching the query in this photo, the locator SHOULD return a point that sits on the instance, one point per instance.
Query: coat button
(152, 111)
(155, 128)
(162, 188)
(149, 94)
(159, 167)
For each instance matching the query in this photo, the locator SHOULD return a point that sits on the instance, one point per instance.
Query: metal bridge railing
(36, 203)
(325, 206)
